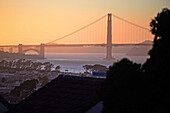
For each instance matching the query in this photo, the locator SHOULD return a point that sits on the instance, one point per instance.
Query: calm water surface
(73, 62)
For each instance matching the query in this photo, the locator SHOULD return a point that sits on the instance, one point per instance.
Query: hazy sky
(41, 21)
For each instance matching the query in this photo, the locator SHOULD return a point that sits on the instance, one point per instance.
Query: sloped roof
(65, 94)
(4, 102)
(4, 105)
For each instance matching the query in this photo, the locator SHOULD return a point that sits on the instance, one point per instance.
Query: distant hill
(140, 50)
(7, 55)
(147, 42)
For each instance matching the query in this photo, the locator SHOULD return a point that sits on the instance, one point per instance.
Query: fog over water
(73, 62)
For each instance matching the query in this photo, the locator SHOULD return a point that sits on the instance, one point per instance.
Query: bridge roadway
(77, 45)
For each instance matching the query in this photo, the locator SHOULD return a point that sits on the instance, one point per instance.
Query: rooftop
(65, 94)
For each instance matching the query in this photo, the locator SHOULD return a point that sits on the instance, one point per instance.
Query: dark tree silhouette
(130, 88)
(160, 53)
(28, 85)
(156, 68)
(160, 25)
(122, 90)
(57, 68)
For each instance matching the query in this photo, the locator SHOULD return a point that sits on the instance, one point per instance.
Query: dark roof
(65, 94)
(4, 102)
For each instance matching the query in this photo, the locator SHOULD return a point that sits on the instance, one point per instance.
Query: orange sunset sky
(41, 21)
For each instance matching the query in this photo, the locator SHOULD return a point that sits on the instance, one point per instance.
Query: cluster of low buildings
(81, 87)
(8, 81)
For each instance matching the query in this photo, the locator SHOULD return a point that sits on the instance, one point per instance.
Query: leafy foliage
(27, 86)
(28, 65)
(95, 67)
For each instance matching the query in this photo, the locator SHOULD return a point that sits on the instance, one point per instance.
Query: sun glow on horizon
(41, 21)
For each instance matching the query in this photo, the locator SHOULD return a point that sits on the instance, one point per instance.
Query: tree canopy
(135, 88)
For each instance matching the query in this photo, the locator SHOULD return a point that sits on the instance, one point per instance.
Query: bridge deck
(13, 46)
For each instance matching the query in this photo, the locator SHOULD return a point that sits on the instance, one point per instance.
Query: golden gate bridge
(109, 30)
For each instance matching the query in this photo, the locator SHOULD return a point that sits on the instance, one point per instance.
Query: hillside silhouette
(8, 55)
(135, 88)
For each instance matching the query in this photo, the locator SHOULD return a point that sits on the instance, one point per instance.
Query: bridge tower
(109, 38)
(42, 51)
(20, 49)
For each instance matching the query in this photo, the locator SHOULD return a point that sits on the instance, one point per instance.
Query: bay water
(74, 62)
